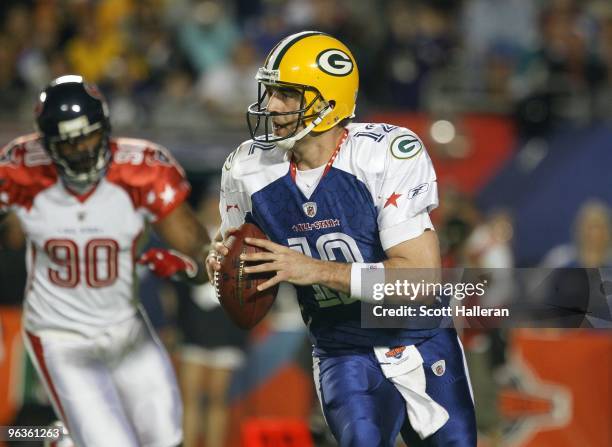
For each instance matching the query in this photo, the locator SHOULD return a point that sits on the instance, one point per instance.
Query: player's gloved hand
(167, 263)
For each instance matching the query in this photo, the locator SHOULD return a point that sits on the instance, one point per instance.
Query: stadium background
(512, 97)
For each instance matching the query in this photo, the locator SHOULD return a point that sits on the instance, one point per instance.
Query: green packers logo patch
(405, 146)
(335, 62)
(229, 160)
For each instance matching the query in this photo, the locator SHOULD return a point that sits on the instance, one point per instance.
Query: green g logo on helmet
(335, 62)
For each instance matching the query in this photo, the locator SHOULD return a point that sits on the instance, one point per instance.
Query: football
(236, 290)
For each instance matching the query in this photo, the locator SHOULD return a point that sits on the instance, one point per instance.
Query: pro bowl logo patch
(335, 62)
(439, 368)
(395, 353)
(310, 209)
(406, 146)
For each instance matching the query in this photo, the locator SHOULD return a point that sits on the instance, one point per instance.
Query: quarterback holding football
(335, 197)
(82, 201)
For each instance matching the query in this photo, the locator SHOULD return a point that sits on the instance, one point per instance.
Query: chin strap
(288, 143)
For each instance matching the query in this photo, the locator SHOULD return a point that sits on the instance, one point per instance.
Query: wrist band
(375, 274)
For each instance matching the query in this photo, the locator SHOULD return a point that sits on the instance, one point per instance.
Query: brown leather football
(236, 290)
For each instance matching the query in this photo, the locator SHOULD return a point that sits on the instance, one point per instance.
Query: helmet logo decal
(405, 146)
(93, 91)
(335, 62)
(38, 108)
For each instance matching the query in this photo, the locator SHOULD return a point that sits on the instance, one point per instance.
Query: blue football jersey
(376, 194)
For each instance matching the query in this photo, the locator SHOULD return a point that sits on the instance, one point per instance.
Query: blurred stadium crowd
(163, 63)
(188, 66)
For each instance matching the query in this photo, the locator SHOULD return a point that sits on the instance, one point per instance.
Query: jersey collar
(293, 166)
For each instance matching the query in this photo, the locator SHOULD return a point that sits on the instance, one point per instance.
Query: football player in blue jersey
(336, 197)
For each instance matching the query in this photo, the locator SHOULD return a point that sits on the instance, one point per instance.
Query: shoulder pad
(242, 149)
(25, 170)
(149, 174)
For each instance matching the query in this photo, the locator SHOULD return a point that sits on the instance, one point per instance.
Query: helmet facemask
(81, 168)
(312, 109)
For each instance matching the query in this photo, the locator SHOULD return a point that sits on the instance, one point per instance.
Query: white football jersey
(389, 162)
(375, 193)
(82, 248)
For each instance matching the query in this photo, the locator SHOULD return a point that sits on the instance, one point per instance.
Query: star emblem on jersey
(310, 209)
(167, 195)
(405, 146)
(439, 368)
(81, 216)
(392, 200)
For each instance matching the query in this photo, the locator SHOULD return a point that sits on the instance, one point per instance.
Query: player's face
(283, 100)
(81, 153)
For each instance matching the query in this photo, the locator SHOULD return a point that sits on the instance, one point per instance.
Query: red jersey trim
(37, 347)
(330, 162)
(25, 171)
(82, 198)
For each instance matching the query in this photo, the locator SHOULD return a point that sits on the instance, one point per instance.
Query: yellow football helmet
(325, 72)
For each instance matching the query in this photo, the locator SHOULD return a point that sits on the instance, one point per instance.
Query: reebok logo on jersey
(405, 146)
(423, 187)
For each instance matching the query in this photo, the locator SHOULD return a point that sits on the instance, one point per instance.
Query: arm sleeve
(4, 195)
(407, 193)
(5, 184)
(168, 190)
(233, 203)
(9, 191)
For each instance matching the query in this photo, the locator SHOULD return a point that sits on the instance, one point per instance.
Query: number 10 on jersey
(329, 246)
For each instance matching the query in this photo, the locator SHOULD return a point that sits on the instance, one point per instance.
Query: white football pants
(115, 389)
